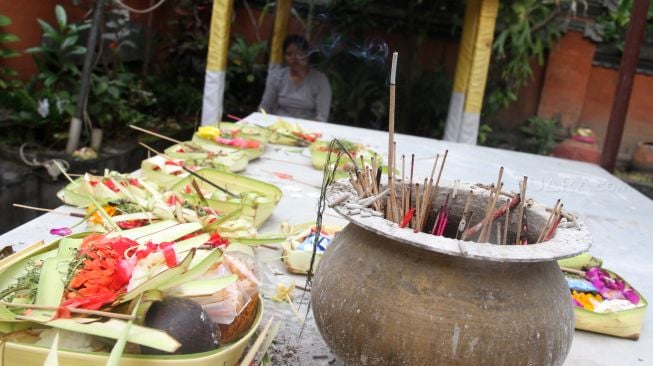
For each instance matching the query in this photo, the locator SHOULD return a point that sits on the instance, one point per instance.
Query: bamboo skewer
(390, 207)
(403, 184)
(462, 225)
(554, 224)
(73, 214)
(410, 183)
(426, 203)
(548, 222)
(522, 192)
(190, 171)
(106, 314)
(494, 194)
(163, 137)
(505, 226)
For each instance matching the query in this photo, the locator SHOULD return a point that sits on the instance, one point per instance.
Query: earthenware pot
(388, 296)
(643, 157)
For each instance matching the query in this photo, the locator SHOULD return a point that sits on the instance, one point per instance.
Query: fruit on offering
(232, 159)
(231, 135)
(287, 133)
(320, 151)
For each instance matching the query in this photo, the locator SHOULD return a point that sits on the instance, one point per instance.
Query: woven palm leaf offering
(283, 132)
(249, 139)
(129, 201)
(232, 159)
(320, 151)
(226, 193)
(603, 301)
(144, 296)
(112, 186)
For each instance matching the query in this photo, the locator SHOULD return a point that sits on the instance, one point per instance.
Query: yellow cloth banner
(466, 50)
(219, 35)
(481, 58)
(281, 19)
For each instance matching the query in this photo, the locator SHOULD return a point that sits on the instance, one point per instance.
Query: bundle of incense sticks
(409, 207)
(366, 180)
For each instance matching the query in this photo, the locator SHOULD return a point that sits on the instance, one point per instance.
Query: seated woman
(297, 90)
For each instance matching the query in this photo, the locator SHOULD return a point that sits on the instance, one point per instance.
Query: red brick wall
(24, 14)
(567, 75)
(528, 99)
(583, 94)
(598, 104)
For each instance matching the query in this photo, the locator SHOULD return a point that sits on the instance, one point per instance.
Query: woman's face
(295, 57)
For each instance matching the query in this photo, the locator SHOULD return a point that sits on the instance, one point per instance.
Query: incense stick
(107, 314)
(522, 192)
(548, 222)
(427, 202)
(73, 214)
(390, 207)
(205, 180)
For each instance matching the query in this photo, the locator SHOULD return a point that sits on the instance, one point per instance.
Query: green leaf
(69, 41)
(53, 354)
(9, 53)
(113, 329)
(196, 271)
(160, 279)
(60, 12)
(50, 80)
(4, 20)
(78, 50)
(119, 347)
(205, 287)
(48, 30)
(114, 92)
(8, 37)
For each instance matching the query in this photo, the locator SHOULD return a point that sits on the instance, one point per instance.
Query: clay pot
(388, 296)
(643, 157)
(578, 148)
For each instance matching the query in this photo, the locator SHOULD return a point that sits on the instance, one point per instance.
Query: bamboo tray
(12, 353)
(28, 355)
(623, 324)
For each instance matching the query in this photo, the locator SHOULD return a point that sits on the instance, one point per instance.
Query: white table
(619, 217)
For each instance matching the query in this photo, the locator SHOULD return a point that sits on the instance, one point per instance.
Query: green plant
(245, 79)
(611, 25)
(35, 115)
(540, 134)
(425, 113)
(56, 56)
(525, 30)
(484, 132)
(5, 72)
(118, 100)
(358, 83)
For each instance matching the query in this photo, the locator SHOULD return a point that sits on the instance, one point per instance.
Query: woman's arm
(271, 94)
(323, 99)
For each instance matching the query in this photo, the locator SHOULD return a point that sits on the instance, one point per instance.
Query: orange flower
(96, 218)
(99, 281)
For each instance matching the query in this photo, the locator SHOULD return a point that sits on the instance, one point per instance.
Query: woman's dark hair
(298, 41)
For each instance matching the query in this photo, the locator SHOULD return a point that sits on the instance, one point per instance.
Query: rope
(137, 11)
(49, 165)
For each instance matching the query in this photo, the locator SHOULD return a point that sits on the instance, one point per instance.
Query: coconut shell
(186, 321)
(241, 324)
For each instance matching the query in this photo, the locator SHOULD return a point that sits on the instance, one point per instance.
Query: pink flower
(62, 231)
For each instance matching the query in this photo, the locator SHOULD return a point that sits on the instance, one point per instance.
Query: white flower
(44, 108)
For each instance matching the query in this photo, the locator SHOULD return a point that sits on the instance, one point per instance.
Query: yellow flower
(208, 132)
